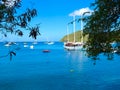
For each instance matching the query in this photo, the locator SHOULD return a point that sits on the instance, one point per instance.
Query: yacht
(7, 44)
(73, 45)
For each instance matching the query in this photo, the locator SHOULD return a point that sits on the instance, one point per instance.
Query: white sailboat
(7, 44)
(77, 45)
(35, 42)
(73, 45)
(50, 42)
(25, 44)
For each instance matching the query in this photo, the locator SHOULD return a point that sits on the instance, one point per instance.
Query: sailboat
(7, 44)
(73, 45)
(49, 42)
(35, 42)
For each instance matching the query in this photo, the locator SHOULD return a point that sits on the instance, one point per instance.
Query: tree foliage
(103, 27)
(14, 22)
(11, 21)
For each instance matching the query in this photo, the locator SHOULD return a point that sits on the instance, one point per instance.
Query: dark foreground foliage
(103, 28)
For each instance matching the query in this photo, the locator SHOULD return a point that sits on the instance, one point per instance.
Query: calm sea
(31, 69)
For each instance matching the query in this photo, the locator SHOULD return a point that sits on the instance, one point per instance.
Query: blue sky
(53, 16)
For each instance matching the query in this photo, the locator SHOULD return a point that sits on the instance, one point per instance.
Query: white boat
(73, 46)
(25, 44)
(31, 47)
(9, 44)
(50, 43)
(35, 42)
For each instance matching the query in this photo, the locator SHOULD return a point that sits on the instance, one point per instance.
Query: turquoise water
(31, 69)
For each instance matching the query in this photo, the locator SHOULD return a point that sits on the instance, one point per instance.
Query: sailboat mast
(81, 28)
(67, 33)
(74, 26)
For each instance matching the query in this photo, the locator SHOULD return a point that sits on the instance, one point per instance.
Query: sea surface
(32, 69)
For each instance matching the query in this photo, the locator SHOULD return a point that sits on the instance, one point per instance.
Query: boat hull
(73, 46)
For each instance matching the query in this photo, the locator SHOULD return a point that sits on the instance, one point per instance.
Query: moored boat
(46, 51)
(73, 46)
(9, 44)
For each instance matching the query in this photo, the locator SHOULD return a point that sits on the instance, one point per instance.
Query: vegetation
(11, 21)
(78, 37)
(14, 22)
(103, 27)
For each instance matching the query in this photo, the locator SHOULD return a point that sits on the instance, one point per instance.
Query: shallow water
(31, 69)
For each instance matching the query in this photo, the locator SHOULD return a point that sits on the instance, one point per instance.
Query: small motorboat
(50, 43)
(46, 51)
(7, 44)
(31, 47)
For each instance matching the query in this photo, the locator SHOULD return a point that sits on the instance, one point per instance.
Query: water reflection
(76, 60)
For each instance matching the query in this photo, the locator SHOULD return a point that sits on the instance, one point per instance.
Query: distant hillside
(78, 36)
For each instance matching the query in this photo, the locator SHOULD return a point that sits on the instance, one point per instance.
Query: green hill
(78, 36)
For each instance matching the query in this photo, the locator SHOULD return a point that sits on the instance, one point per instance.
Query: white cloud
(81, 11)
